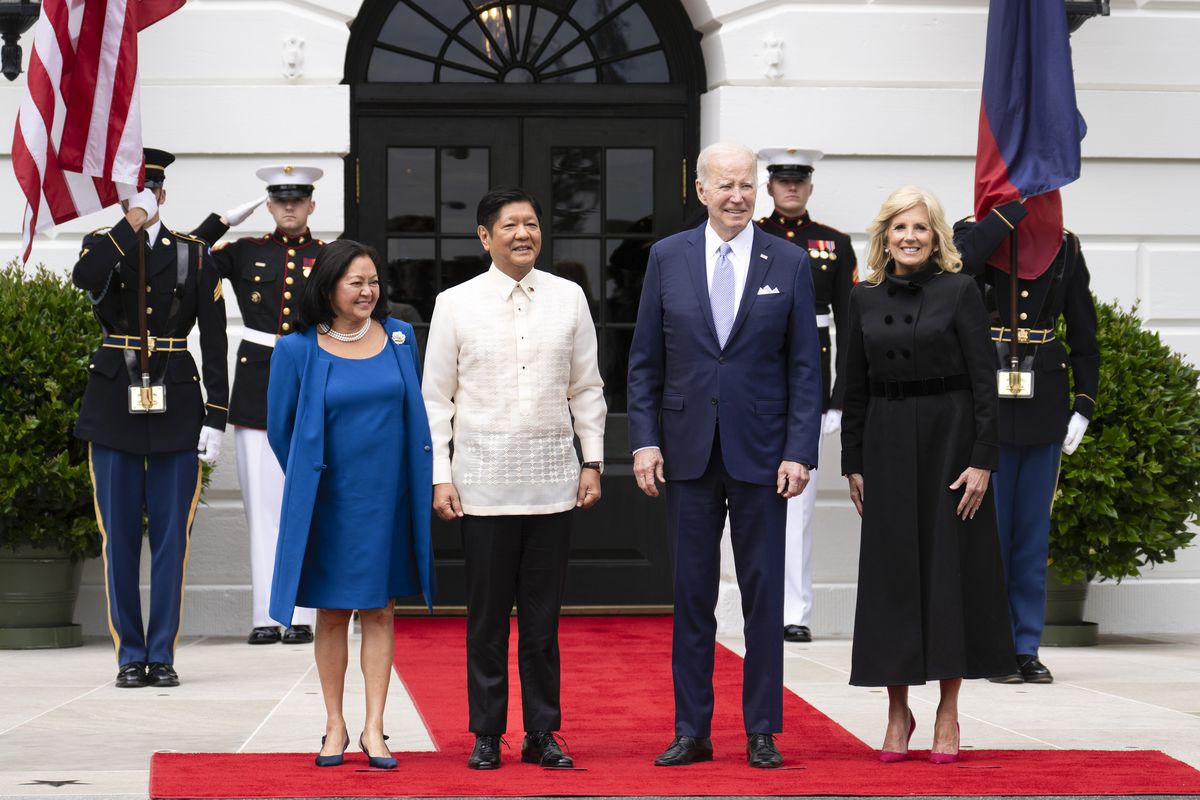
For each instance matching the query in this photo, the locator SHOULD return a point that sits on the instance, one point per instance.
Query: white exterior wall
(888, 89)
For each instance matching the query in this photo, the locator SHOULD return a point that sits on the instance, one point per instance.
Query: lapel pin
(165, 240)
(398, 337)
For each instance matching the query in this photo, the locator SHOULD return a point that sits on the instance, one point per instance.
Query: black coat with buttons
(1043, 418)
(833, 273)
(182, 290)
(931, 601)
(268, 274)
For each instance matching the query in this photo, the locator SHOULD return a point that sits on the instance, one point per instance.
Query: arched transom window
(533, 41)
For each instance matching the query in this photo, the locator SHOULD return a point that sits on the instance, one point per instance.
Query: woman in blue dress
(346, 420)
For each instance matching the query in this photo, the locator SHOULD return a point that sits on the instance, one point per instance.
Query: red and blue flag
(1029, 126)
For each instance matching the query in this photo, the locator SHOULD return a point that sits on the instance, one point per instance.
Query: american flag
(78, 141)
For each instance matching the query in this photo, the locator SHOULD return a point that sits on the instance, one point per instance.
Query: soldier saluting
(143, 414)
(833, 261)
(268, 274)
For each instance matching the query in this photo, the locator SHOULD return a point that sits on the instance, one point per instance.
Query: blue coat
(765, 384)
(296, 431)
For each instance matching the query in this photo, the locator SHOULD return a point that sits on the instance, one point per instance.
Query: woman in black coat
(919, 428)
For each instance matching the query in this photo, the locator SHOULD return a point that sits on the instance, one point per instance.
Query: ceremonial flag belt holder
(144, 397)
(1016, 382)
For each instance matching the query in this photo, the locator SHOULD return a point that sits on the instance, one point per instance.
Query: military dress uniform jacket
(182, 289)
(1061, 291)
(833, 264)
(268, 274)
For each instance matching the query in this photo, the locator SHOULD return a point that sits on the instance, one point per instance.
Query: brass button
(1024, 315)
(824, 349)
(289, 280)
(291, 252)
(195, 377)
(1024, 293)
(791, 234)
(165, 240)
(149, 310)
(300, 240)
(287, 312)
(291, 265)
(286, 326)
(255, 297)
(287, 295)
(258, 278)
(824, 267)
(147, 290)
(243, 359)
(91, 366)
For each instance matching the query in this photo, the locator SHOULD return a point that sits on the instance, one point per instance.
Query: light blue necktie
(721, 294)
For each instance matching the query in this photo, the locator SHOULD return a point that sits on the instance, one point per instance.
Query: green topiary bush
(47, 334)
(1126, 496)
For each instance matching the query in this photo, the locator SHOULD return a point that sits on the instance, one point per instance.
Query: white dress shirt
(507, 366)
(741, 245)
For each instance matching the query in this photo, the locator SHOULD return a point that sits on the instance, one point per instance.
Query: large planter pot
(38, 590)
(1065, 626)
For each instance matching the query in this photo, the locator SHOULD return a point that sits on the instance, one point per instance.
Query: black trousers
(521, 558)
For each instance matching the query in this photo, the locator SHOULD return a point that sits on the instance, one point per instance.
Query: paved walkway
(66, 731)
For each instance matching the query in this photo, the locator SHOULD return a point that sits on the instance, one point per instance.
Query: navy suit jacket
(765, 384)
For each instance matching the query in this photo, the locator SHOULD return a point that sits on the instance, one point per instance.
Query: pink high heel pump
(890, 756)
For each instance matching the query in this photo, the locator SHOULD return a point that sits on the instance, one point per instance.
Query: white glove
(237, 215)
(833, 421)
(209, 446)
(146, 201)
(1075, 430)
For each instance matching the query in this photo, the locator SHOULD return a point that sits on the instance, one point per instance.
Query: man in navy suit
(725, 403)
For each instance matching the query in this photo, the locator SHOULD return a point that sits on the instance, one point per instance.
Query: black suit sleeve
(844, 282)
(210, 230)
(210, 317)
(101, 255)
(1079, 310)
(854, 372)
(974, 337)
(976, 241)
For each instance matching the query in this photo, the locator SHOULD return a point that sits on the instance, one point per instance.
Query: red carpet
(618, 712)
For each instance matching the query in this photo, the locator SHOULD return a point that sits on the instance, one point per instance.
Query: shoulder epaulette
(100, 231)
(188, 237)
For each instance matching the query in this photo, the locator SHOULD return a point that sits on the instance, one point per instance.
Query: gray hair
(719, 150)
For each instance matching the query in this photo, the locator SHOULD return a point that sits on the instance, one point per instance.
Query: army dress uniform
(147, 463)
(833, 268)
(1032, 430)
(268, 274)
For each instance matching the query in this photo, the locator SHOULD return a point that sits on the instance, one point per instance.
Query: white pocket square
(767, 290)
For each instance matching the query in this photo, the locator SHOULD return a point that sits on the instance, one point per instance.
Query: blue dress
(358, 551)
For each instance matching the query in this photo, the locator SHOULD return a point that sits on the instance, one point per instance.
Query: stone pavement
(66, 731)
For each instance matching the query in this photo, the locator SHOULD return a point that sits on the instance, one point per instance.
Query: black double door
(609, 188)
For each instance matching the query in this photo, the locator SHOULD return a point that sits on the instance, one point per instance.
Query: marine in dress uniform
(1034, 431)
(833, 264)
(148, 463)
(268, 274)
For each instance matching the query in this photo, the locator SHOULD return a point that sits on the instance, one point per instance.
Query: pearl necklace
(345, 337)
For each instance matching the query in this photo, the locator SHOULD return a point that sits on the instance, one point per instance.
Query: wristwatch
(596, 465)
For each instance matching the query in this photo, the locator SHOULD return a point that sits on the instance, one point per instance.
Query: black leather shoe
(796, 633)
(761, 751)
(161, 675)
(685, 750)
(1033, 671)
(297, 634)
(1012, 677)
(132, 675)
(486, 754)
(541, 748)
(266, 635)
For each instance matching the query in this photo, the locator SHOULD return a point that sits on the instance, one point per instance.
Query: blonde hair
(719, 150)
(945, 254)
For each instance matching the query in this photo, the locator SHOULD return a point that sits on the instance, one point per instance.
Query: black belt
(898, 390)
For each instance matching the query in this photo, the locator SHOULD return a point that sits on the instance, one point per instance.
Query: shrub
(47, 335)
(1126, 496)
